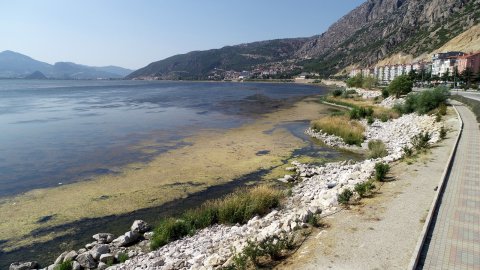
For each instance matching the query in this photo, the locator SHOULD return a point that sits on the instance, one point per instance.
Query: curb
(441, 186)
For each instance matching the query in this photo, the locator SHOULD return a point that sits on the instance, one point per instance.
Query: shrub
(355, 81)
(425, 101)
(443, 133)
(66, 265)
(122, 257)
(370, 120)
(421, 141)
(438, 117)
(350, 131)
(369, 82)
(238, 207)
(381, 171)
(442, 109)
(408, 151)
(360, 112)
(364, 189)
(384, 117)
(385, 93)
(401, 85)
(344, 197)
(337, 92)
(377, 149)
(312, 220)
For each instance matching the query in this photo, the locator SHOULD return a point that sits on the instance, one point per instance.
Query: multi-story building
(471, 61)
(442, 61)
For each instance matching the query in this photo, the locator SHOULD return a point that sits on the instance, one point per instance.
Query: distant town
(445, 66)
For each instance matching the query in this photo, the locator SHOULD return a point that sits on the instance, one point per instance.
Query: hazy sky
(132, 33)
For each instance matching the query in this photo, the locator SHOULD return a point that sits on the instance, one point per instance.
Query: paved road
(453, 241)
(472, 95)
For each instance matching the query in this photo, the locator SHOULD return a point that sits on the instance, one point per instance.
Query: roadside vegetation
(377, 149)
(424, 102)
(238, 207)
(350, 131)
(401, 85)
(367, 82)
(474, 105)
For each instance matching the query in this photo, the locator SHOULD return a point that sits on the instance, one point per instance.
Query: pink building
(471, 61)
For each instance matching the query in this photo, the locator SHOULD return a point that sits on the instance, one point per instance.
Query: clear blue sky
(132, 33)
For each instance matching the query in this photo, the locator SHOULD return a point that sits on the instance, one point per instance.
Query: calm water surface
(58, 132)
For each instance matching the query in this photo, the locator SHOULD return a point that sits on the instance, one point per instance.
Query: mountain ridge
(375, 30)
(17, 65)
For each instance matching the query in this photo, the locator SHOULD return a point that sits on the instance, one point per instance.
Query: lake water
(58, 132)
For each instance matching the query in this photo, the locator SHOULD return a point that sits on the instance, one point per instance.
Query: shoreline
(279, 132)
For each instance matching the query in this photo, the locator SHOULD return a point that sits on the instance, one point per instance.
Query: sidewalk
(453, 240)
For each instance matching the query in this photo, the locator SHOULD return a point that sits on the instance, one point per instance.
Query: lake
(57, 132)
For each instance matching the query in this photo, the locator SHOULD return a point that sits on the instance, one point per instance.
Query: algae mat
(212, 157)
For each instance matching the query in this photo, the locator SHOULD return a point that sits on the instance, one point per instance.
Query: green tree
(467, 77)
(401, 85)
(446, 76)
(369, 82)
(355, 81)
(413, 75)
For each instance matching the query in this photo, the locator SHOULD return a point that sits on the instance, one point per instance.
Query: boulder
(60, 258)
(98, 250)
(76, 266)
(103, 238)
(140, 226)
(107, 258)
(148, 235)
(70, 256)
(86, 260)
(126, 239)
(23, 265)
(102, 266)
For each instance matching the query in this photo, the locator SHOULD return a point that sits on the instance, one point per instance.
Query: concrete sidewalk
(453, 240)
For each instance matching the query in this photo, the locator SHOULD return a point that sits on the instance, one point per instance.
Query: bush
(355, 81)
(425, 101)
(370, 120)
(66, 265)
(369, 82)
(364, 189)
(443, 133)
(360, 112)
(381, 171)
(408, 151)
(442, 109)
(421, 141)
(385, 93)
(384, 117)
(344, 197)
(238, 207)
(377, 149)
(337, 92)
(401, 85)
(350, 131)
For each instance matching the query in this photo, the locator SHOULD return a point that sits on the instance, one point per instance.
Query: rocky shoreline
(315, 190)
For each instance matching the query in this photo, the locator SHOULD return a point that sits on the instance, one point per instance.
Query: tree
(355, 81)
(369, 82)
(467, 76)
(446, 76)
(413, 75)
(401, 85)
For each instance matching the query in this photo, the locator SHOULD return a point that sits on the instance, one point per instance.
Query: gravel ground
(381, 232)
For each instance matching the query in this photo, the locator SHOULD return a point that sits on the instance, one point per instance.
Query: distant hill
(376, 30)
(197, 64)
(16, 65)
(37, 75)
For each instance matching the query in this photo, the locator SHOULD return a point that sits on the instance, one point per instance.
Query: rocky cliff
(375, 30)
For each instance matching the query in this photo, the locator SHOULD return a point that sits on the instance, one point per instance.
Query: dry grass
(378, 111)
(350, 131)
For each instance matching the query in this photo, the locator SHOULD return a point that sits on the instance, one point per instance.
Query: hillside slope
(197, 64)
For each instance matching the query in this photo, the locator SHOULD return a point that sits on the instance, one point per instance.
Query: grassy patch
(237, 207)
(381, 170)
(377, 149)
(66, 265)
(349, 130)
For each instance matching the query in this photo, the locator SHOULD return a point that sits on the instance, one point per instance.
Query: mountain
(13, 64)
(376, 30)
(16, 65)
(198, 64)
(37, 75)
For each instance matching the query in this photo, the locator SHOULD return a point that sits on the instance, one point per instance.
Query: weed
(377, 149)
(122, 257)
(350, 131)
(364, 189)
(408, 151)
(345, 196)
(66, 265)
(421, 141)
(381, 171)
(370, 120)
(443, 132)
(442, 109)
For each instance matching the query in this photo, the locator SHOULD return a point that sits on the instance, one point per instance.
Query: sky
(134, 33)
